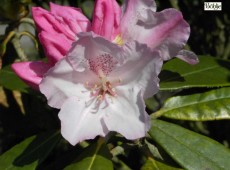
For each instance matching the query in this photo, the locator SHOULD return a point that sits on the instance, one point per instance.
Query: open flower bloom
(100, 87)
(164, 32)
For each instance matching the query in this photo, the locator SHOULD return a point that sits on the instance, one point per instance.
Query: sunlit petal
(62, 82)
(126, 114)
(79, 121)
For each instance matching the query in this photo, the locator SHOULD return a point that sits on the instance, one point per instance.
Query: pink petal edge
(31, 72)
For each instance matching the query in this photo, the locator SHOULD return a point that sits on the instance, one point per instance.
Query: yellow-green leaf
(211, 105)
(209, 72)
(189, 149)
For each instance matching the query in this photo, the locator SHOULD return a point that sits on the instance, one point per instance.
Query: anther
(99, 97)
(87, 84)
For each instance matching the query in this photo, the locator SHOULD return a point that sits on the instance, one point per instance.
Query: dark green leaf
(11, 81)
(87, 7)
(13, 10)
(212, 105)
(209, 72)
(152, 164)
(29, 153)
(95, 157)
(191, 150)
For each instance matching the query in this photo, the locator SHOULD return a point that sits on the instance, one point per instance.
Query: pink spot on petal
(104, 63)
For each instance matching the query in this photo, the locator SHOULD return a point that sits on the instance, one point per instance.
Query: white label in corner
(212, 6)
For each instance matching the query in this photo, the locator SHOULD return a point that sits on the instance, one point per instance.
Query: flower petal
(91, 51)
(62, 82)
(188, 56)
(126, 114)
(132, 11)
(79, 122)
(55, 45)
(31, 72)
(49, 22)
(134, 64)
(166, 32)
(106, 18)
(134, 8)
(41, 22)
(140, 68)
(71, 14)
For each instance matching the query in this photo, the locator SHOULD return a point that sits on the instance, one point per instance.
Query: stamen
(112, 92)
(103, 88)
(99, 97)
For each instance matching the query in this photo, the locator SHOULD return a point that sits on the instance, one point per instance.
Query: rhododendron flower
(164, 32)
(100, 87)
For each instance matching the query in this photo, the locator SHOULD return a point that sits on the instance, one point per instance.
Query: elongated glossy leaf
(191, 150)
(152, 164)
(96, 157)
(29, 153)
(212, 105)
(209, 72)
(11, 81)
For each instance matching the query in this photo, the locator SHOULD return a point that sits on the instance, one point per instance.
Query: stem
(31, 36)
(16, 43)
(27, 21)
(8, 37)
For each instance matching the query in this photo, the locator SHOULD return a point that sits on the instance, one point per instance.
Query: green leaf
(211, 105)
(29, 153)
(153, 150)
(87, 7)
(209, 72)
(95, 157)
(189, 149)
(11, 81)
(152, 164)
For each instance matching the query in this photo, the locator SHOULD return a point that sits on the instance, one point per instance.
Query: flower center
(102, 66)
(102, 88)
(118, 40)
(106, 88)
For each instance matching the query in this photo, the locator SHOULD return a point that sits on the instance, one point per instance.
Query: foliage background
(24, 112)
